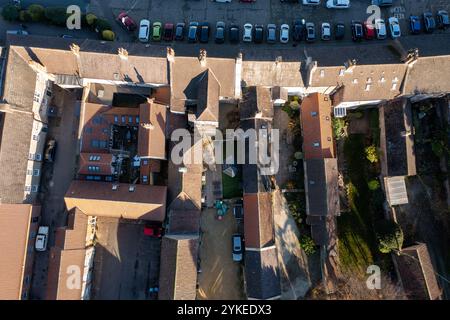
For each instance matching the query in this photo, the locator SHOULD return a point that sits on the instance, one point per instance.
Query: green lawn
(232, 187)
(357, 244)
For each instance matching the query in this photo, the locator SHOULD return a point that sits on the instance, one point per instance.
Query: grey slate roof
(15, 130)
(322, 186)
(261, 274)
(178, 269)
(20, 82)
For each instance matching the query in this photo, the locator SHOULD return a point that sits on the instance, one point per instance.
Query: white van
(144, 30)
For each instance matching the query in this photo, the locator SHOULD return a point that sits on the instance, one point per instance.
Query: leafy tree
(10, 12)
(37, 12)
(91, 19)
(56, 15)
(102, 25)
(437, 146)
(339, 128)
(389, 236)
(24, 16)
(108, 35)
(373, 185)
(307, 244)
(371, 153)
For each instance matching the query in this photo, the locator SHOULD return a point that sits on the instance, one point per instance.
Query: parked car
(18, 32)
(193, 32)
(247, 0)
(168, 32)
(233, 33)
(153, 230)
(380, 29)
(382, 3)
(338, 4)
(238, 211)
(42, 238)
(144, 30)
(179, 31)
(126, 22)
(157, 31)
(284, 33)
(369, 30)
(220, 32)
(339, 31)
(357, 30)
(311, 2)
(50, 151)
(394, 27)
(325, 31)
(237, 247)
(271, 33)
(204, 32)
(310, 32)
(443, 20)
(258, 33)
(414, 24)
(429, 22)
(223, 1)
(247, 36)
(298, 30)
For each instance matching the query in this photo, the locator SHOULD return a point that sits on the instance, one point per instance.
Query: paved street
(126, 262)
(221, 277)
(56, 179)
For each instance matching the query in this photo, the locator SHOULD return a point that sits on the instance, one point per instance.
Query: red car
(369, 30)
(125, 21)
(153, 230)
(168, 32)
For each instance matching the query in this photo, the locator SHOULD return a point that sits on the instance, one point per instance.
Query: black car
(258, 33)
(339, 31)
(179, 31)
(50, 151)
(442, 19)
(238, 211)
(298, 31)
(204, 32)
(357, 31)
(428, 22)
(220, 32)
(233, 33)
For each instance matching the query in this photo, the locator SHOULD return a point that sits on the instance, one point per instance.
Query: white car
(394, 27)
(311, 2)
(284, 33)
(326, 31)
(18, 32)
(338, 4)
(144, 30)
(248, 28)
(42, 239)
(223, 1)
(380, 28)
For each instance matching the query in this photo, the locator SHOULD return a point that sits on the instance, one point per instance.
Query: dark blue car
(414, 22)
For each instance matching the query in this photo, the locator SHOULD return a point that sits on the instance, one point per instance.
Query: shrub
(339, 127)
(56, 15)
(307, 244)
(373, 185)
(10, 13)
(91, 19)
(371, 153)
(102, 25)
(108, 35)
(389, 236)
(24, 16)
(37, 12)
(437, 146)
